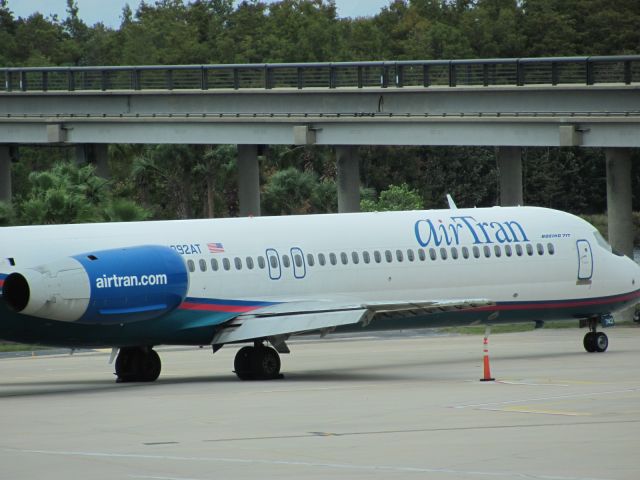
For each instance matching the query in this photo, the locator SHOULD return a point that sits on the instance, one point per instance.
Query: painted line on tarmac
(551, 397)
(295, 463)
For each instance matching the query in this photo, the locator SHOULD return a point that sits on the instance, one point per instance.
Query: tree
(399, 197)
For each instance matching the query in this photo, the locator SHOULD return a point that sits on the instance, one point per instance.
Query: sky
(108, 11)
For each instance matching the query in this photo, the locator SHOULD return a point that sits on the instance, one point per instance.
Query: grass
(507, 328)
(20, 347)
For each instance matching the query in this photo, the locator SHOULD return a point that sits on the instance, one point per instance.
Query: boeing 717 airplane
(259, 281)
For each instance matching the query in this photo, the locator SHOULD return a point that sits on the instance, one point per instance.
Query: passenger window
(366, 257)
(285, 261)
(399, 255)
(203, 265)
(551, 249)
(214, 265)
(465, 252)
(191, 266)
(261, 262)
(355, 257)
(321, 259)
(226, 264)
(507, 250)
(273, 261)
(249, 262)
(344, 258)
(238, 263)
(421, 255)
(388, 256)
(529, 249)
(432, 253)
(540, 249)
(333, 259)
(377, 256)
(519, 250)
(476, 252)
(443, 253)
(410, 255)
(498, 251)
(454, 253)
(310, 260)
(487, 251)
(298, 259)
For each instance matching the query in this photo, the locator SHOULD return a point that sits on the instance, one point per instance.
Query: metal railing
(426, 73)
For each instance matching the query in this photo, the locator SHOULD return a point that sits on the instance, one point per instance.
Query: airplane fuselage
(532, 263)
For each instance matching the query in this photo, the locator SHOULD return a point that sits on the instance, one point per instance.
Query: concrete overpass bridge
(507, 103)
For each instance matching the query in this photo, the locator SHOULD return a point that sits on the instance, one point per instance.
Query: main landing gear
(138, 364)
(257, 363)
(595, 341)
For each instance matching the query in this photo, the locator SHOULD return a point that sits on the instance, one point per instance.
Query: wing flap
(294, 318)
(252, 327)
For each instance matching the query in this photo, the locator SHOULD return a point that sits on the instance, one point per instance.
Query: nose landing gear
(595, 341)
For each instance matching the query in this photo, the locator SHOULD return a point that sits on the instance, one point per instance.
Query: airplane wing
(293, 318)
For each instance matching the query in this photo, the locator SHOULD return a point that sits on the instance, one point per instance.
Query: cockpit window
(601, 241)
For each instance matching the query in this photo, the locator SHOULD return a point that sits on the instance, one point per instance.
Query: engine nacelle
(110, 286)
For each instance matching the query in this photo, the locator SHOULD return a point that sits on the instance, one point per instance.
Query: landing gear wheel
(242, 364)
(589, 342)
(601, 342)
(136, 364)
(266, 363)
(257, 363)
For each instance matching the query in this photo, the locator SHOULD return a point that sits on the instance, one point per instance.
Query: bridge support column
(95, 153)
(510, 171)
(348, 166)
(5, 174)
(101, 159)
(248, 180)
(619, 199)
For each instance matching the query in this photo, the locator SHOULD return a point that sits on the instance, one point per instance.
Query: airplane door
(585, 260)
(273, 261)
(299, 266)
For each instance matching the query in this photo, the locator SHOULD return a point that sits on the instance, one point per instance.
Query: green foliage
(393, 198)
(69, 194)
(200, 181)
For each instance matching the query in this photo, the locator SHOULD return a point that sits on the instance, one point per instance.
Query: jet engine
(103, 287)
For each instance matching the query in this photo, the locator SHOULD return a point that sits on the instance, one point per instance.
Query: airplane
(259, 281)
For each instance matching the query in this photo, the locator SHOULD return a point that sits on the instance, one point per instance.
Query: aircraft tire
(150, 366)
(137, 365)
(601, 342)
(266, 363)
(243, 363)
(589, 342)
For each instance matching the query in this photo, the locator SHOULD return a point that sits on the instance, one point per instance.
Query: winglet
(452, 204)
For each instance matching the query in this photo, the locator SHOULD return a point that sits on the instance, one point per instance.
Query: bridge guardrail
(426, 73)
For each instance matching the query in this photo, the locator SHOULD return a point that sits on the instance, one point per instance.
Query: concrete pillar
(101, 159)
(95, 153)
(348, 166)
(248, 180)
(619, 200)
(82, 155)
(510, 171)
(5, 174)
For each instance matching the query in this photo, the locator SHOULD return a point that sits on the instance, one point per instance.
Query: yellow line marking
(525, 409)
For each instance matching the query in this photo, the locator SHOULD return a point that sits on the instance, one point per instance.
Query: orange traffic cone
(487, 370)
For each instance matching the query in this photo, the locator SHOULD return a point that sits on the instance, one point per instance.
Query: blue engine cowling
(110, 286)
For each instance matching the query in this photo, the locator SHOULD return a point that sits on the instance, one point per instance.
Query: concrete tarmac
(383, 407)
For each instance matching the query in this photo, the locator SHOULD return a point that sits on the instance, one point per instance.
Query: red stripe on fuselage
(208, 307)
(561, 304)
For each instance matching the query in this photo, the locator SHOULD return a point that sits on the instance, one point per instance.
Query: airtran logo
(123, 281)
(466, 229)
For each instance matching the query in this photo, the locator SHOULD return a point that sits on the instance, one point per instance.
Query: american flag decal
(215, 248)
